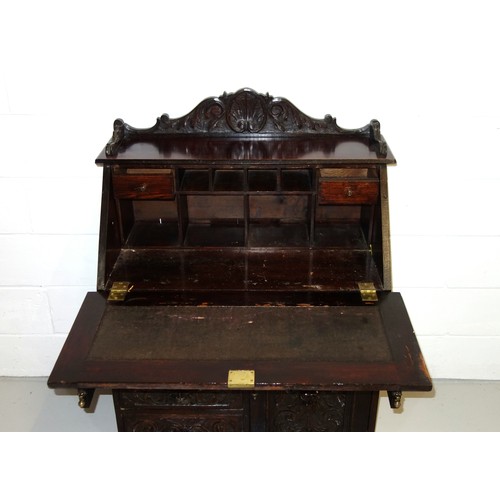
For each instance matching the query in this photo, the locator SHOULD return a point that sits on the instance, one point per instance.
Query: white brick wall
(430, 76)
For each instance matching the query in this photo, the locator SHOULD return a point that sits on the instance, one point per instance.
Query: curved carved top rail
(244, 113)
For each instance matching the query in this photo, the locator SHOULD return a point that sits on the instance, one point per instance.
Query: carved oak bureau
(244, 276)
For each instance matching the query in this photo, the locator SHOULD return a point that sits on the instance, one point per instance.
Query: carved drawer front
(312, 411)
(348, 192)
(179, 399)
(144, 186)
(179, 422)
(183, 411)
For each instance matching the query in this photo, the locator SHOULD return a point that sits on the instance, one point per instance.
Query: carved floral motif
(308, 412)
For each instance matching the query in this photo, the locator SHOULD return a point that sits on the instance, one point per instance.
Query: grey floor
(27, 404)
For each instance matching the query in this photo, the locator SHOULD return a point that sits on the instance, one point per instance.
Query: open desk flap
(363, 347)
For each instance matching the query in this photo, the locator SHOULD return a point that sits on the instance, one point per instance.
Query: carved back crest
(244, 113)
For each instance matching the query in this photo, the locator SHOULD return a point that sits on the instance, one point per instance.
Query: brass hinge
(368, 292)
(118, 291)
(241, 379)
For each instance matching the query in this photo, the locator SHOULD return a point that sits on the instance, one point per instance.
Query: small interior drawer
(141, 186)
(348, 192)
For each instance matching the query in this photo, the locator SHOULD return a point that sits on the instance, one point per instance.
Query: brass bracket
(119, 291)
(368, 292)
(241, 379)
(85, 397)
(395, 399)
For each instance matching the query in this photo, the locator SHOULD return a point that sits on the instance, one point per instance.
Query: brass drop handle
(348, 191)
(142, 188)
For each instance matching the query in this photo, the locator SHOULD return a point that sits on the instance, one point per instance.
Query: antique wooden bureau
(244, 276)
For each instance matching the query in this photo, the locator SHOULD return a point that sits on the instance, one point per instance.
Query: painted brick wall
(428, 73)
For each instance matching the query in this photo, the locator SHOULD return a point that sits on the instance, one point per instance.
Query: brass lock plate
(241, 379)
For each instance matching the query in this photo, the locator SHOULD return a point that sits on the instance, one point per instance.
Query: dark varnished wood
(264, 150)
(218, 411)
(245, 269)
(241, 115)
(243, 231)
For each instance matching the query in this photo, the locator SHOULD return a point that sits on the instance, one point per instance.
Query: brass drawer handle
(141, 189)
(348, 192)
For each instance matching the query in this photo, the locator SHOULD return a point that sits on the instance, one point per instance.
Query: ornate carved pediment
(244, 113)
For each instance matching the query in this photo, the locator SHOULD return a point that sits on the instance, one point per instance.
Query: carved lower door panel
(308, 411)
(232, 411)
(315, 411)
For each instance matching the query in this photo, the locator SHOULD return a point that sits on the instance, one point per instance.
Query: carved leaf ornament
(247, 112)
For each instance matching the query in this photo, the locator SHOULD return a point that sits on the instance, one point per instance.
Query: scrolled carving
(376, 137)
(243, 113)
(206, 117)
(172, 424)
(117, 137)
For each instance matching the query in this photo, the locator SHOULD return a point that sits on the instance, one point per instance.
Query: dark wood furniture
(244, 277)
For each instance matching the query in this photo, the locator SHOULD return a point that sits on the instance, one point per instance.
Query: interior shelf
(195, 180)
(347, 235)
(296, 180)
(278, 235)
(153, 234)
(260, 234)
(245, 269)
(229, 180)
(262, 180)
(214, 235)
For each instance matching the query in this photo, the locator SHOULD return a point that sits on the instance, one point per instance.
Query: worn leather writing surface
(339, 334)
